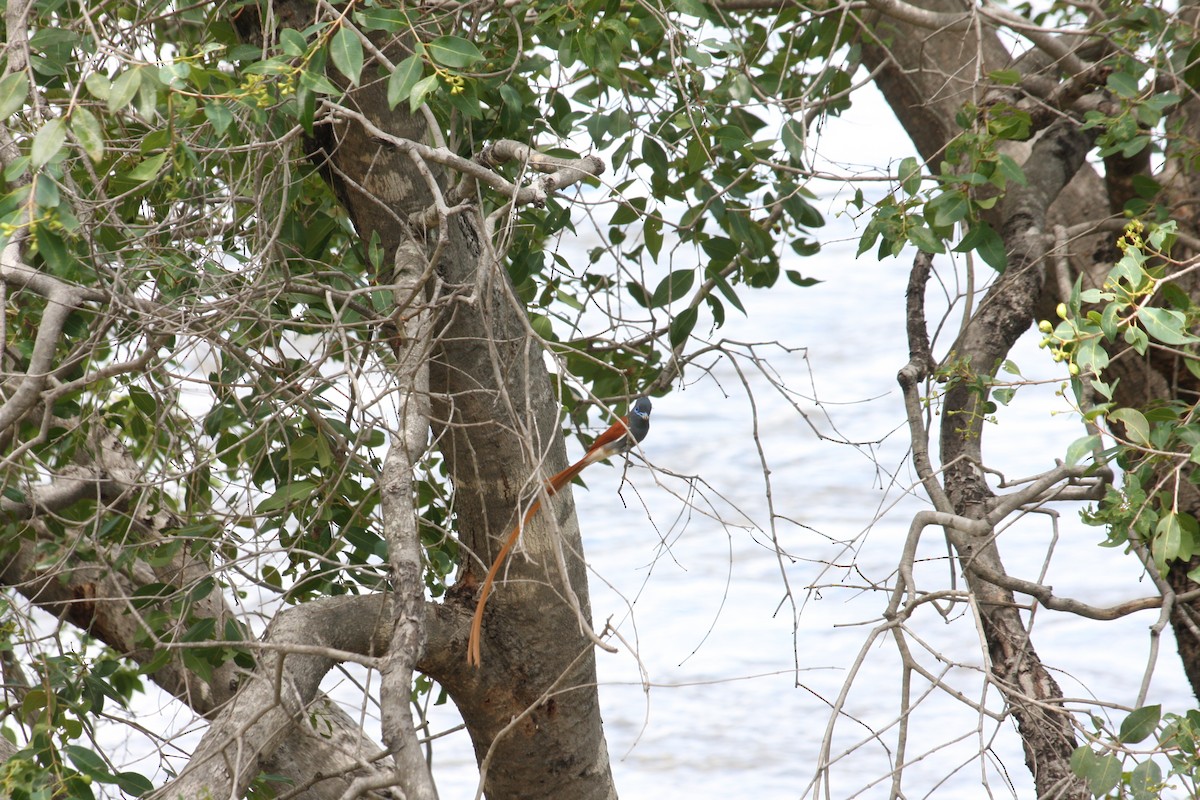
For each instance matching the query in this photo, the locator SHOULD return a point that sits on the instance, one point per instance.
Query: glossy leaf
(947, 209)
(403, 79)
(1081, 448)
(682, 325)
(984, 240)
(123, 89)
(48, 143)
(346, 52)
(453, 51)
(148, 168)
(673, 287)
(420, 91)
(910, 175)
(133, 783)
(87, 132)
(1166, 325)
(1137, 428)
(14, 91)
(1140, 724)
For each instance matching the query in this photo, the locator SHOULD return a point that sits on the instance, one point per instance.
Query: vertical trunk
(495, 421)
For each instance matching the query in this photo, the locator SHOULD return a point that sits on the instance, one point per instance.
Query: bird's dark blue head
(639, 419)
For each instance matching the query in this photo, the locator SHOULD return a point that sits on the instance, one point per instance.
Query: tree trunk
(532, 710)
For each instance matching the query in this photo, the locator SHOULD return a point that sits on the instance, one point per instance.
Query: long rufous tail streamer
(621, 436)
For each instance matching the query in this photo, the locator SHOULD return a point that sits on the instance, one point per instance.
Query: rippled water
(728, 692)
(709, 705)
(739, 652)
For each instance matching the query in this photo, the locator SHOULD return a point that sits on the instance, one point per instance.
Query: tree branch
(276, 701)
(401, 531)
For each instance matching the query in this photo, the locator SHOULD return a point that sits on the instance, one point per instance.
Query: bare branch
(401, 530)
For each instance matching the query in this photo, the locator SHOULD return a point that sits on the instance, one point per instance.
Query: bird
(620, 437)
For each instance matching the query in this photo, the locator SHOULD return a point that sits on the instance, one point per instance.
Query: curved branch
(62, 299)
(276, 700)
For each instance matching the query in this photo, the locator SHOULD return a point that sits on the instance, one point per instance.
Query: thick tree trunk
(532, 710)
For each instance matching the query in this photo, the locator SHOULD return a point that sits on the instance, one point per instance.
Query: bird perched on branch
(621, 436)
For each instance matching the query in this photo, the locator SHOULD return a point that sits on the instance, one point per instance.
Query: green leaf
(287, 494)
(219, 116)
(133, 783)
(1081, 760)
(123, 89)
(1165, 546)
(673, 287)
(1081, 449)
(1011, 170)
(88, 762)
(148, 169)
(681, 326)
(1090, 354)
(1146, 781)
(87, 132)
(1103, 389)
(422, 89)
(318, 83)
(1166, 325)
(1136, 426)
(798, 278)
(792, 136)
(14, 89)
(1123, 84)
(638, 293)
(99, 86)
(1104, 774)
(725, 289)
(48, 143)
(910, 175)
(947, 209)
(653, 236)
(1191, 73)
(1136, 338)
(1005, 77)
(925, 239)
(655, 157)
(403, 79)
(45, 191)
(1140, 724)
(542, 326)
(983, 239)
(1129, 268)
(453, 51)
(292, 42)
(347, 53)
(1159, 239)
(628, 211)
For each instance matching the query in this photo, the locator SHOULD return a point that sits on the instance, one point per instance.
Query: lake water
(739, 652)
(728, 692)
